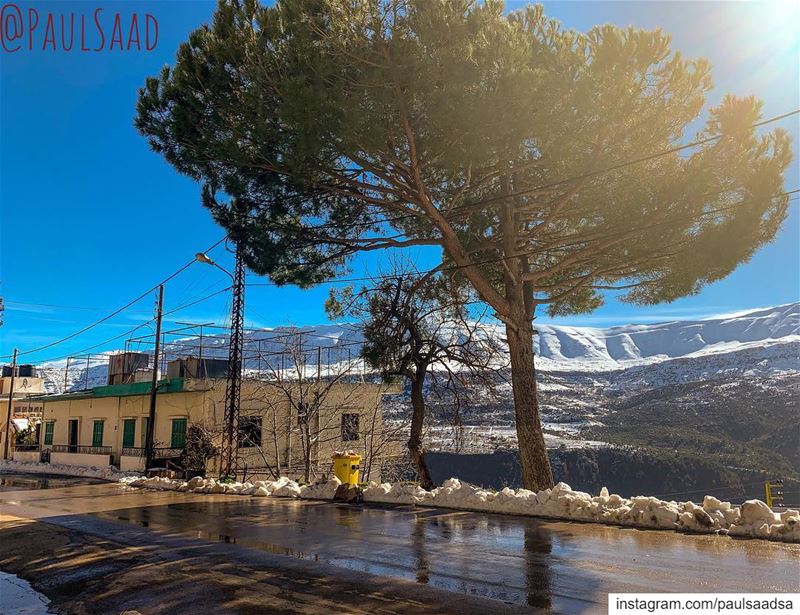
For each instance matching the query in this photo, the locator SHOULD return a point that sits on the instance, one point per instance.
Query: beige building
(283, 427)
(26, 410)
(25, 387)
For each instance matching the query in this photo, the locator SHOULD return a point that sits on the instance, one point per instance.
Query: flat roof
(165, 387)
(168, 385)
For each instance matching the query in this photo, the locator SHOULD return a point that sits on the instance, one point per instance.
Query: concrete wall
(80, 459)
(131, 464)
(26, 456)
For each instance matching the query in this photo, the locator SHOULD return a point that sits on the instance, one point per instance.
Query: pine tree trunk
(415, 441)
(536, 472)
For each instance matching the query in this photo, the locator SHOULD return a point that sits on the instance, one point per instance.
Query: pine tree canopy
(344, 126)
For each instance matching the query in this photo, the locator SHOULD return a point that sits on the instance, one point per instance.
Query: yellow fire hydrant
(345, 467)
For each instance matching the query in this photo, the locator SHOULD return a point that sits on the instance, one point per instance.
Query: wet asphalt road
(568, 567)
(21, 482)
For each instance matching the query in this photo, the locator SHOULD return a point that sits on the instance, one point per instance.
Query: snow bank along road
(453, 561)
(753, 518)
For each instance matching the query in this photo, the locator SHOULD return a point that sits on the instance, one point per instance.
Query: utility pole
(151, 422)
(230, 440)
(10, 400)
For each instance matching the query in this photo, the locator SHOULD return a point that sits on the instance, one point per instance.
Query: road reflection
(498, 557)
(538, 548)
(420, 554)
(27, 482)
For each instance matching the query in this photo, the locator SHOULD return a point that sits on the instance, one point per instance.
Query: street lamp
(200, 257)
(230, 440)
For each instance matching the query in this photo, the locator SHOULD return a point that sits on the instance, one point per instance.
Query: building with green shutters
(106, 425)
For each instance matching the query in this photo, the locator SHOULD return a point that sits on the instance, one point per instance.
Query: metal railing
(26, 447)
(166, 453)
(158, 453)
(83, 450)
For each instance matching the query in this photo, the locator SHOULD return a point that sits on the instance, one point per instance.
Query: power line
(339, 281)
(620, 165)
(588, 175)
(470, 205)
(117, 311)
(134, 329)
(498, 259)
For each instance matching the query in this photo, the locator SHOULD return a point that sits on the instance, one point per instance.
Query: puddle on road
(28, 482)
(20, 598)
(432, 548)
(213, 536)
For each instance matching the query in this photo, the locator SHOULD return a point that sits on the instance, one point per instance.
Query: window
(49, 428)
(97, 433)
(128, 433)
(302, 413)
(178, 439)
(249, 431)
(349, 427)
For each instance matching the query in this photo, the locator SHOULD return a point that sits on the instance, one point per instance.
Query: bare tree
(199, 448)
(302, 401)
(419, 327)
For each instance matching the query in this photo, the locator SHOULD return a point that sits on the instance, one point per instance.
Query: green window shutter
(128, 433)
(97, 434)
(178, 433)
(49, 427)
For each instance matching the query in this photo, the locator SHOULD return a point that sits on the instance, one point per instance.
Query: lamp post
(10, 401)
(149, 441)
(230, 440)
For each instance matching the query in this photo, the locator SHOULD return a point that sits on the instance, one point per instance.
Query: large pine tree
(501, 138)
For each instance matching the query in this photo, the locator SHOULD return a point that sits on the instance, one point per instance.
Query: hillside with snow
(576, 348)
(764, 339)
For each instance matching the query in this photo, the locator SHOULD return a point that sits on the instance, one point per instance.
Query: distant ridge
(558, 348)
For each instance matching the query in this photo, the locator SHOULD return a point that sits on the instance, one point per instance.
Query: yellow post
(768, 491)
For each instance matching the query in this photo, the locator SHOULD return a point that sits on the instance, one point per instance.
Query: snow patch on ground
(19, 597)
(31, 467)
(282, 487)
(754, 518)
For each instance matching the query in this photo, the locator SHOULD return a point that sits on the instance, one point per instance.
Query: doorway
(73, 436)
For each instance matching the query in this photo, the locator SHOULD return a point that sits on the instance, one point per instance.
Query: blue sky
(90, 218)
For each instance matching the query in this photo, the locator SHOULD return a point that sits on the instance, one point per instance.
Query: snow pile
(34, 467)
(324, 490)
(282, 487)
(753, 518)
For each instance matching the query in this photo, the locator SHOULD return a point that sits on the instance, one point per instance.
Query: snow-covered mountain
(575, 348)
(685, 350)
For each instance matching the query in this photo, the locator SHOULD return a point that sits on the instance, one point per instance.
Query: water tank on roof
(123, 366)
(194, 367)
(26, 371)
(23, 371)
